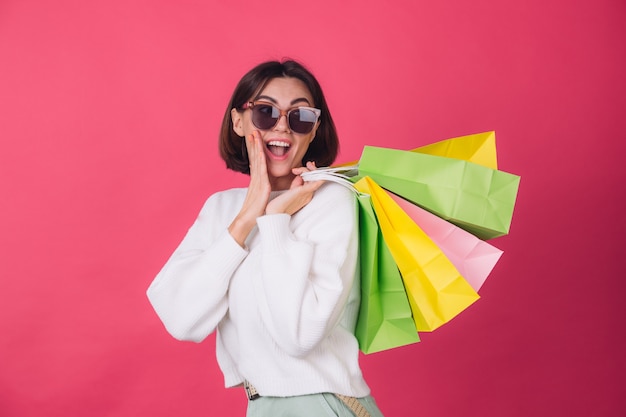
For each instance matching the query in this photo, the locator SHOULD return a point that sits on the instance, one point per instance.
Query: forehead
(286, 89)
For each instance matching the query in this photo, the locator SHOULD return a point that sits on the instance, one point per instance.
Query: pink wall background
(109, 113)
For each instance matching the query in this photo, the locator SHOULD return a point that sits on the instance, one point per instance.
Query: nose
(283, 124)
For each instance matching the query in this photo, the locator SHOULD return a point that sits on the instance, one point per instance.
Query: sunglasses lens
(264, 116)
(302, 120)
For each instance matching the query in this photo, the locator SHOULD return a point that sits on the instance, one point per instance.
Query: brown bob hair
(322, 150)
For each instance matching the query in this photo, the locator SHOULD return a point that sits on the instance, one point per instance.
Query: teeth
(278, 143)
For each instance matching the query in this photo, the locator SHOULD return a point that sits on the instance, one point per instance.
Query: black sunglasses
(266, 115)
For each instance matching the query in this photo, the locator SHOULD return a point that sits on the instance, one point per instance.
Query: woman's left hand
(300, 193)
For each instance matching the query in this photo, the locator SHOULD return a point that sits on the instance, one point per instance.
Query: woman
(273, 267)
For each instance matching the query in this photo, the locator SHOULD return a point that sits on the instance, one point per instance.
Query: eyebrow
(293, 102)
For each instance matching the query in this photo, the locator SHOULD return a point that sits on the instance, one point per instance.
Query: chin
(280, 169)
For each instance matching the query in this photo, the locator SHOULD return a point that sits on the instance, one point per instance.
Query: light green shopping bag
(474, 197)
(385, 320)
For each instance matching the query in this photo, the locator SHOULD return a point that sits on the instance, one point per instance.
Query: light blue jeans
(314, 405)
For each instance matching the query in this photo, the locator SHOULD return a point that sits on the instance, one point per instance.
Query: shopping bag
(437, 292)
(479, 148)
(472, 196)
(472, 257)
(385, 320)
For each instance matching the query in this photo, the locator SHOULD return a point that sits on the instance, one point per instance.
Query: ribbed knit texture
(284, 307)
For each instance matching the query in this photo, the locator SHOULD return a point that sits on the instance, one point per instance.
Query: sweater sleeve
(189, 294)
(307, 269)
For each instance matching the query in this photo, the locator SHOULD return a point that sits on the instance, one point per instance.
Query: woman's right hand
(258, 191)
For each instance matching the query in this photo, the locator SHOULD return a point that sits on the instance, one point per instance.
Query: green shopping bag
(385, 320)
(474, 197)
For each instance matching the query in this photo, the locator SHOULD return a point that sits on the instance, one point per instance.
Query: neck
(281, 183)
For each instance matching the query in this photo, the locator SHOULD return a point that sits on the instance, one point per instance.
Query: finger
(256, 156)
(252, 144)
(296, 182)
(312, 186)
(299, 170)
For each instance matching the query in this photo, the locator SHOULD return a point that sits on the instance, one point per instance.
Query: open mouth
(278, 147)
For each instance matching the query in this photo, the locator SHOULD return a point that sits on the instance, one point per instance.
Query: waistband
(351, 402)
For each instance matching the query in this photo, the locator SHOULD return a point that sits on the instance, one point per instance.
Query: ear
(237, 122)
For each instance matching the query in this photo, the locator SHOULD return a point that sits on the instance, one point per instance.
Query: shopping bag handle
(339, 175)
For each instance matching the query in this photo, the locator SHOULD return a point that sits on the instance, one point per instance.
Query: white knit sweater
(284, 308)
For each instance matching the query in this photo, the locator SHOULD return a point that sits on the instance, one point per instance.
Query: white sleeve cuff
(274, 231)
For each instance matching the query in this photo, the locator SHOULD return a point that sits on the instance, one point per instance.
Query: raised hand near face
(299, 194)
(259, 190)
(257, 201)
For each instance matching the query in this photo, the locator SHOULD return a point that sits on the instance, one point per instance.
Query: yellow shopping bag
(479, 148)
(436, 290)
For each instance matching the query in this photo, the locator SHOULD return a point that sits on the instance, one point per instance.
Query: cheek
(303, 146)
